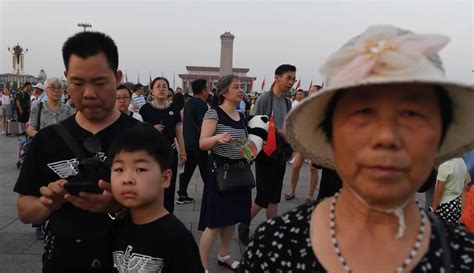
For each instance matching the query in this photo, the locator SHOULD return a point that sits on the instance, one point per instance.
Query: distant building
(10, 79)
(212, 74)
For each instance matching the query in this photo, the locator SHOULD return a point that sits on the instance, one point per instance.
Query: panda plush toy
(258, 128)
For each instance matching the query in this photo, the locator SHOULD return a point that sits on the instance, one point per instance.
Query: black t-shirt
(169, 117)
(194, 111)
(24, 100)
(164, 245)
(49, 159)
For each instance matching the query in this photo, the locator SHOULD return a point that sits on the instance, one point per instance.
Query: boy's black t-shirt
(49, 159)
(164, 245)
(194, 111)
(169, 117)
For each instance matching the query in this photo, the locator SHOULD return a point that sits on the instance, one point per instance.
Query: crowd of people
(100, 174)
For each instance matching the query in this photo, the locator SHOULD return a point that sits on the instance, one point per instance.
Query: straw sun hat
(382, 55)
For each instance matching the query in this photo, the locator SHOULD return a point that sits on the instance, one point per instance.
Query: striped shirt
(140, 100)
(225, 124)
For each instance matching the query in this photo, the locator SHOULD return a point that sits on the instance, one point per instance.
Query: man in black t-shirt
(194, 111)
(79, 232)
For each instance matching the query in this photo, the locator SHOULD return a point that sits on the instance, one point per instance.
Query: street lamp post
(18, 54)
(84, 25)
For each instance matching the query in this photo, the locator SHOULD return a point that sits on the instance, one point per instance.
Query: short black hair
(159, 79)
(198, 86)
(178, 100)
(123, 86)
(90, 43)
(136, 87)
(444, 101)
(143, 137)
(26, 84)
(284, 68)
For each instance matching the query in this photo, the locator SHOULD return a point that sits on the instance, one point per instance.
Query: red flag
(271, 87)
(298, 84)
(210, 84)
(270, 147)
(263, 84)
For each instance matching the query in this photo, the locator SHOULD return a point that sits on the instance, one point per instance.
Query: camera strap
(71, 143)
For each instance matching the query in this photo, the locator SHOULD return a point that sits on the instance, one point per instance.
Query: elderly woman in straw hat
(385, 118)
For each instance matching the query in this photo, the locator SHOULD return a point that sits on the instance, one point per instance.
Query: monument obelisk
(227, 45)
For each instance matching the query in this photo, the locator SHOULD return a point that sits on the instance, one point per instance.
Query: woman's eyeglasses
(122, 98)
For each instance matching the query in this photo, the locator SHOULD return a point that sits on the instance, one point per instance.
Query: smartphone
(75, 188)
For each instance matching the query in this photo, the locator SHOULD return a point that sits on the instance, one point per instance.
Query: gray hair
(223, 86)
(224, 82)
(52, 80)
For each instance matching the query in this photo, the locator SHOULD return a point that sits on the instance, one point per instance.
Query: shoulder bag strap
(71, 143)
(40, 108)
(440, 228)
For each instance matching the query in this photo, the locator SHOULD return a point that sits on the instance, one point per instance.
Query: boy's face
(137, 180)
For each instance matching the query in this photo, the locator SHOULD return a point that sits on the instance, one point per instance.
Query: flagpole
(174, 75)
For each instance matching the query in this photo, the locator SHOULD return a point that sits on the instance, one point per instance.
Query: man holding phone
(79, 230)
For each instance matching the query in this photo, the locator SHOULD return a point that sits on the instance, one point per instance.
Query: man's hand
(97, 203)
(52, 196)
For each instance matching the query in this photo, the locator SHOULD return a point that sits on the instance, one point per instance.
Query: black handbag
(235, 176)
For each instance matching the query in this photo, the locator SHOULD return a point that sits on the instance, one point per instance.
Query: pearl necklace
(342, 260)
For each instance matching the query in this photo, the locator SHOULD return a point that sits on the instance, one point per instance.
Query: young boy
(151, 239)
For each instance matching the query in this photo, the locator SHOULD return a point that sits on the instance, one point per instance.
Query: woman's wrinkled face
(235, 93)
(385, 139)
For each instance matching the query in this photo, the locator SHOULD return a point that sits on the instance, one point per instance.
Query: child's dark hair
(90, 43)
(143, 137)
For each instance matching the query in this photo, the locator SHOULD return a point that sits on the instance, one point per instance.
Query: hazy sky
(163, 37)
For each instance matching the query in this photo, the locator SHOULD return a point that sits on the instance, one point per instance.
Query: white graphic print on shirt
(136, 263)
(65, 168)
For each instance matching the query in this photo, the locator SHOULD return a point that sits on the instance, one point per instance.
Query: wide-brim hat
(382, 55)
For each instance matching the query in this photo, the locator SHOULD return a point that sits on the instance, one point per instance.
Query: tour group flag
(263, 84)
(271, 86)
(270, 147)
(298, 84)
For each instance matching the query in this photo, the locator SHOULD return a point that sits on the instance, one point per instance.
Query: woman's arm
(180, 139)
(208, 140)
(31, 131)
(439, 189)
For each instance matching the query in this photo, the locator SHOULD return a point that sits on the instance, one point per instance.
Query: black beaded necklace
(342, 260)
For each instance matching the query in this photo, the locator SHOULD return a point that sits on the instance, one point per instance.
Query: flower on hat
(384, 51)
